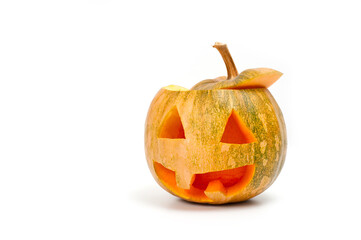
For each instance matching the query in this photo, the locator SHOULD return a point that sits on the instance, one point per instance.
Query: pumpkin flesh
(206, 186)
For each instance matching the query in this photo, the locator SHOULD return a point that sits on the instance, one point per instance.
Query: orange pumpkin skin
(200, 164)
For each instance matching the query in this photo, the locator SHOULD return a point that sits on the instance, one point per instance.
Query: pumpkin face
(215, 145)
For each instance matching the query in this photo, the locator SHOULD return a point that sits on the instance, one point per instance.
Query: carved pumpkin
(222, 141)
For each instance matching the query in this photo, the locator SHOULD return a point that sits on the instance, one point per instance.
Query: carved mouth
(217, 186)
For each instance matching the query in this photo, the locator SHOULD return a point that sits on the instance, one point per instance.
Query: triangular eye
(172, 126)
(236, 132)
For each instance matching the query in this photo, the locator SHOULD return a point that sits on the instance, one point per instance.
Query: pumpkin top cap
(250, 78)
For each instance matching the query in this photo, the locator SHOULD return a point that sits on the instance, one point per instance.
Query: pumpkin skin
(204, 160)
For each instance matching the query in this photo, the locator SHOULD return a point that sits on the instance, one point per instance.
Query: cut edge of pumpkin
(175, 88)
(210, 187)
(253, 78)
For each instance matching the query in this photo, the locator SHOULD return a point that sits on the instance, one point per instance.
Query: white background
(77, 78)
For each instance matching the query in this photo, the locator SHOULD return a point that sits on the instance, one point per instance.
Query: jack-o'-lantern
(224, 140)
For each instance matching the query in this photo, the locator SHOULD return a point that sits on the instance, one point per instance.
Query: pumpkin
(222, 141)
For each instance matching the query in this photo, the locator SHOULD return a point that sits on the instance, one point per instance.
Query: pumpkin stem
(227, 58)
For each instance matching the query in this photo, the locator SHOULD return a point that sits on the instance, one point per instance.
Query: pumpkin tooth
(216, 191)
(184, 179)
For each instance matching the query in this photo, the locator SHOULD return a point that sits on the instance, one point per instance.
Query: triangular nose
(236, 132)
(172, 126)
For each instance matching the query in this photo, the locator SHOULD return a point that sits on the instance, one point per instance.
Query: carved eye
(172, 126)
(236, 132)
